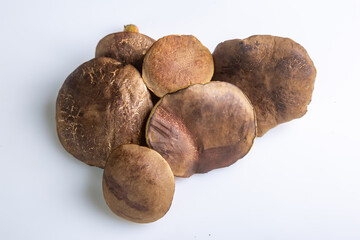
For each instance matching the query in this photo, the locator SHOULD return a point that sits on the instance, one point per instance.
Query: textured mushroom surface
(126, 47)
(275, 73)
(101, 105)
(176, 61)
(202, 127)
(138, 184)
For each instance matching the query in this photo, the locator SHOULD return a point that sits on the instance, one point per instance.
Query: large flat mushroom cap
(100, 106)
(275, 73)
(202, 127)
(138, 184)
(176, 61)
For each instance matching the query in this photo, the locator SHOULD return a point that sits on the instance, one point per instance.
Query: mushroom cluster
(147, 110)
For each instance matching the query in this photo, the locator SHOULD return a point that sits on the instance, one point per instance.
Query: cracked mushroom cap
(100, 106)
(175, 62)
(275, 73)
(138, 184)
(128, 47)
(202, 127)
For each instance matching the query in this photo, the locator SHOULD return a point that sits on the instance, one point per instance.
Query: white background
(300, 181)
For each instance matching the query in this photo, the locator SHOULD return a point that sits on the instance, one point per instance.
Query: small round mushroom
(138, 184)
(100, 106)
(128, 47)
(175, 62)
(202, 127)
(275, 73)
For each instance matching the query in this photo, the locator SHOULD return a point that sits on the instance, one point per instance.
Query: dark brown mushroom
(100, 106)
(202, 127)
(138, 184)
(128, 47)
(275, 73)
(176, 61)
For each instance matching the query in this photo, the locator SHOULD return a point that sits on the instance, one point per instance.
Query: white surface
(300, 181)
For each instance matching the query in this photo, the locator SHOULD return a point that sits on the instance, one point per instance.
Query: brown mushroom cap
(101, 105)
(128, 47)
(275, 73)
(202, 127)
(174, 62)
(138, 184)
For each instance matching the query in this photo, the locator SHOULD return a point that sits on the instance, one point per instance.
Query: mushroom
(138, 184)
(202, 127)
(128, 47)
(100, 106)
(275, 73)
(176, 61)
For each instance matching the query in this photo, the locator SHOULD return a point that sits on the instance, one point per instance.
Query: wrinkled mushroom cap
(202, 127)
(138, 184)
(101, 105)
(176, 61)
(275, 73)
(128, 47)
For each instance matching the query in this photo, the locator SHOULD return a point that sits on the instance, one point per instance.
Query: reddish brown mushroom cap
(202, 127)
(138, 184)
(275, 73)
(101, 105)
(128, 47)
(176, 61)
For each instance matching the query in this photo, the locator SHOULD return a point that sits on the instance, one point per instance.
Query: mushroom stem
(131, 28)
